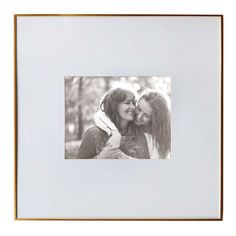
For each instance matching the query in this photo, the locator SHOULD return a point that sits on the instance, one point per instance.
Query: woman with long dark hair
(119, 105)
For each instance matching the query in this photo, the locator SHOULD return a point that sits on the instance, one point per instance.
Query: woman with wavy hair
(153, 116)
(123, 139)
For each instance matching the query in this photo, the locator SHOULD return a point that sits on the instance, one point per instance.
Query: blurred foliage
(82, 97)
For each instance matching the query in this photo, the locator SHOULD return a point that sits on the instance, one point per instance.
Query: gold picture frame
(16, 110)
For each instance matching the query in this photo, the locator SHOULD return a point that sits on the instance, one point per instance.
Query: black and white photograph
(117, 117)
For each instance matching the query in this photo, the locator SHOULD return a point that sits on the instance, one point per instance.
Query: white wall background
(7, 225)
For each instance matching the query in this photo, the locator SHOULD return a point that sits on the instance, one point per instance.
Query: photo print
(117, 117)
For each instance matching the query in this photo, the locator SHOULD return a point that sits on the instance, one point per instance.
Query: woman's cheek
(146, 120)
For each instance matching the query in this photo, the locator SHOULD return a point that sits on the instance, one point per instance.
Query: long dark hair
(110, 102)
(160, 122)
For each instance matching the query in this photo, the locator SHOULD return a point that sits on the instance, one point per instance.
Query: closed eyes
(145, 114)
(130, 101)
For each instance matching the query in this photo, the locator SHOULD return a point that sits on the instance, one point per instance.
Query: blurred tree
(80, 108)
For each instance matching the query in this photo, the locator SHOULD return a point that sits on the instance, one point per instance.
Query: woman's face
(143, 113)
(126, 108)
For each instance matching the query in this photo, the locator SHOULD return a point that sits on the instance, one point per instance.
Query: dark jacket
(133, 143)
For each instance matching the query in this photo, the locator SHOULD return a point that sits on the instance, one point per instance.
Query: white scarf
(103, 122)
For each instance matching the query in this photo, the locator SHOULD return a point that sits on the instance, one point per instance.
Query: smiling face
(143, 113)
(126, 108)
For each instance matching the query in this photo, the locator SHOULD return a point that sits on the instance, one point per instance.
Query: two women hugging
(126, 129)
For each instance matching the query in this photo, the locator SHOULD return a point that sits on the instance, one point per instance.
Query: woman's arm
(87, 149)
(114, 140)
(109, 152)
(125, 156)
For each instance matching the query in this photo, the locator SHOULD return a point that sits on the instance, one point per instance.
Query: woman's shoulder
(94, 131)
(95, 139)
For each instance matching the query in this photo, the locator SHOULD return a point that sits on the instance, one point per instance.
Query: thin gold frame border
(221, 128)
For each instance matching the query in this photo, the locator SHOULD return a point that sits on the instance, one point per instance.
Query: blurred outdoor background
(83, 95)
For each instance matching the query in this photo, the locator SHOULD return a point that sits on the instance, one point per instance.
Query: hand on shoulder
(114, 140)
